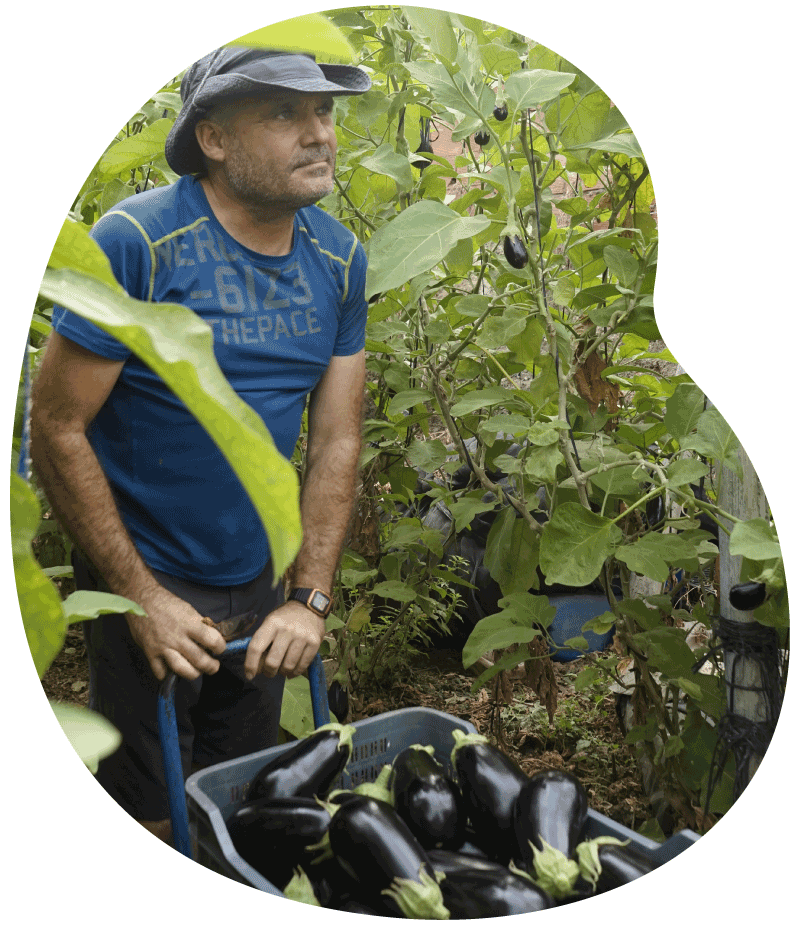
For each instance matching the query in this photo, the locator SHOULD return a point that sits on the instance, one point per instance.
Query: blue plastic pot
(572, 611)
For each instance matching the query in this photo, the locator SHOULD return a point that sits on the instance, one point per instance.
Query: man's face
(281, 151)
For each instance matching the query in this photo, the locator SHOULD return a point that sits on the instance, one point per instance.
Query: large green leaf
(527, 88)
(386, 161)
(714, 438)
(437, 26)
(89, 733)
(42, 614)
(134, 151)
(683, 409)
(415, 241)
(512, 553)
(88, 605)
(178, 346)
(575, 544)
(495, 632)
(313, 33)
(754, 539)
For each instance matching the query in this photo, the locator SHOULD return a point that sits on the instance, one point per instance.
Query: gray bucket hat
(236, 71)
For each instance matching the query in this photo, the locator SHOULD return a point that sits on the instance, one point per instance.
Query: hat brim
(181, 148)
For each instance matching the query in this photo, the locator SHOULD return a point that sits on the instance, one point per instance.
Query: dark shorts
(219, 716)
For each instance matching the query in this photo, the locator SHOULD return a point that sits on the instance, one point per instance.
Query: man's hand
(285, 643)
(174, 637)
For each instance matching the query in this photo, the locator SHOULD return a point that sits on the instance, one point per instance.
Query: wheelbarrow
(170, 747)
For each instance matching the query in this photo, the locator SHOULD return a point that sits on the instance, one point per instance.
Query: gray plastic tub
(215, 793)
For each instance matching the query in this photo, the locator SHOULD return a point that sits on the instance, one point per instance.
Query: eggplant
(487, 893)
(607, 863)
(549, 817)
(378, 789)
(515, 251)
(273, 835)
(377, 850)
(309, 768)
(425, 147)
(748, 595)
(501, 112)
(427, 800)
(482, 138)
(338, 701)
(490, 782)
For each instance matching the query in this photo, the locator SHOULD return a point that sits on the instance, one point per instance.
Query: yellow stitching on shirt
(149, 243)
(347, 268)
(155, 244)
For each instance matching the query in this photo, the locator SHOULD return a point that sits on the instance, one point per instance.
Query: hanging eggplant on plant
(425, 146)
(490, 782)
(482, 138)
(338, 701)
(748, 595)
(515, 251)
(309, 768)
(500, 112)
(427, 800)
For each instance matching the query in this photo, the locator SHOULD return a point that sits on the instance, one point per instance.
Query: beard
(266, 189)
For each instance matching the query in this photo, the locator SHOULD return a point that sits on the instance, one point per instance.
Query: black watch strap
(313, 598)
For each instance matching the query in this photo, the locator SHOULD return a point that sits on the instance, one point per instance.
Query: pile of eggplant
(477, 839)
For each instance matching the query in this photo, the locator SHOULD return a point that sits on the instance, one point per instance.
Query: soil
(584, 736)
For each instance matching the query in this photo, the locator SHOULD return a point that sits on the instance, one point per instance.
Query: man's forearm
(326, 507)
(76, 486)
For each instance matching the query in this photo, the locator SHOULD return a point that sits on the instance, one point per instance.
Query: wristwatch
(314, 599)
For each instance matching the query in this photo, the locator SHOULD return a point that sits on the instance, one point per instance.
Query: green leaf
(686, 471)
(528, 88)
(622, 264)
(428, 455)
(134, 151)
(88, 605)
(624, 143)
(683, 409)
(386, 161)
(575, 544)
(312, 33)
(178, 346)
(39, 603)
(480, 398)
(496, 632)
(297, 715)
(587, 678)
(435, 25)
(409, 398)
(512, 553)
(715, 439)
(394, 590)
(754, 539)
(418, 239)
(89, 733)
(467, 508)
(645, 557)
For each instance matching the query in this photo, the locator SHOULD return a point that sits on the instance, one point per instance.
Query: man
(154, 510)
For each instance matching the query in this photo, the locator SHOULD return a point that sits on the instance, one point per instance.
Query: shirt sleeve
(125, 245)
(352, 327)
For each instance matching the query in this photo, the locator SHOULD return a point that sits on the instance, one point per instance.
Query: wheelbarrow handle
(170, 746)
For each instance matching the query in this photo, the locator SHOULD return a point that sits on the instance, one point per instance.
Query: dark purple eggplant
(549, 817)
(425, 147)
(485, 894)
(427, 800)
(501, 112)
(338, 701)
(515, 251)
(450, 862)
(309, 768)
(748, 595)
(482, 138)
(377, 850)
(273, 835)
(607, 863)
(490, 782)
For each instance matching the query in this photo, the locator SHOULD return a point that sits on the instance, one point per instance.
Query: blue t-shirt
(277, 321)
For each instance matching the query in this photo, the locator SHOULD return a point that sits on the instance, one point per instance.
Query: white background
(710, 92)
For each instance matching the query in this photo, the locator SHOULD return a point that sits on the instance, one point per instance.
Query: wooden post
(744, 499)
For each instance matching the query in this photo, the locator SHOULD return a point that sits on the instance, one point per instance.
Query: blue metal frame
(170, 747)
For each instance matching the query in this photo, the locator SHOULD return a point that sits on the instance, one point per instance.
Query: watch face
(319, 601)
